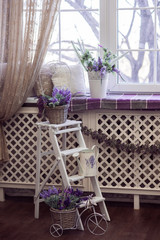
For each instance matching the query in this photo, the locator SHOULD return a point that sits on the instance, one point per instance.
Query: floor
(17, 222)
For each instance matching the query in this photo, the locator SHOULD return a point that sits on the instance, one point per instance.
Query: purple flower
(55, 91)
(59, 97)
(115, 70)
(54, 100)
(100, 45)
(78, 193)
(103, 72)
(102, 65)
(62, 199)
(66, 202)
(92, 161)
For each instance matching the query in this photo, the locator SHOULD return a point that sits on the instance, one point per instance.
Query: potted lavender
(97, 68)
(56, 106)
(63, 204)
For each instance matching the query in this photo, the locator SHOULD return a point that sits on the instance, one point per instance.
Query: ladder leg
(2, 195)
(102, 205)
(79, 222)
(62, 168)
(80, 138)
(36, 209)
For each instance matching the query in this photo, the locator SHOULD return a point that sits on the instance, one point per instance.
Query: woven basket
(57, 115)
(65, 218)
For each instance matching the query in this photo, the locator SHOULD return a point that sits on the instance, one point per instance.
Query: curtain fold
(25, 31)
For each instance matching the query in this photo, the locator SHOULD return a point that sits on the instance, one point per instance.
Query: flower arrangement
(59, 97)
(62, 199)
(102, 65)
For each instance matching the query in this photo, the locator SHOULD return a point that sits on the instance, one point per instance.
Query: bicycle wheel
(56, 230)
(97, 224)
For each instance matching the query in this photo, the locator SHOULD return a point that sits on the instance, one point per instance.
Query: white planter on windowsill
(98, 86)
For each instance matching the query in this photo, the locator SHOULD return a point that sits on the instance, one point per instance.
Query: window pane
(79, 4)
(158, 29)
(51, 56)
(158, 67)
(69, 57)
(135, 3)
(137, 67)
(85, 26)
(137, 31)
(54, 42)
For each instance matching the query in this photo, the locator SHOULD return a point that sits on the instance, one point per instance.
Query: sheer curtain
(25, 30)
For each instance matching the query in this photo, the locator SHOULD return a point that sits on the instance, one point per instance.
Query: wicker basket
(65, 218)
(57, 115)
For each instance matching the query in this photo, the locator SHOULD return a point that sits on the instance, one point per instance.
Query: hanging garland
(120, 146)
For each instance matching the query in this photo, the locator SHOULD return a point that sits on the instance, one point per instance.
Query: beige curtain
(25, 30)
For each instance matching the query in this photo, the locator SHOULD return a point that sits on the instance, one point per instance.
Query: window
(77, 20)
(138, 32)
(131, 26)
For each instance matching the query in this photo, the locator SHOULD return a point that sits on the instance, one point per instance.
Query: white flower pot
(98, 87)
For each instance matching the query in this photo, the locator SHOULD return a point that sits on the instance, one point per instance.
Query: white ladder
(60, 154)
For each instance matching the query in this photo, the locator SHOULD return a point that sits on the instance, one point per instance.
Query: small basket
(57, 115)
(65, 218)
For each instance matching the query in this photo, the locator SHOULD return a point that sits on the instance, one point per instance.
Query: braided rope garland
(120, 146)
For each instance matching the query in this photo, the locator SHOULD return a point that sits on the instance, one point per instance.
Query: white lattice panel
(118, 169)
(21, 136)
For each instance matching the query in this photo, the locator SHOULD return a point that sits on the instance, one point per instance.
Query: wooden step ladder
(60, 154)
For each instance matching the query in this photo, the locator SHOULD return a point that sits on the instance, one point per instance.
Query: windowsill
(112, 102)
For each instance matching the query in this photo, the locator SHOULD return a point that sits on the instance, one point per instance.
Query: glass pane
(135, 3)
(158, 29)
(85, 26)
(137, 67)
(137, 31)
(79, 4)
(54, 42)
(69, 57)
(51, 56)
(158, 67)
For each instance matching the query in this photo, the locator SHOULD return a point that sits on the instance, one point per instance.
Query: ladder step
(94, 200)
(75, 178)
(67, 130)
(73, 150)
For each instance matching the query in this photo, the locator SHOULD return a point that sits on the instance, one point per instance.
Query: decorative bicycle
(95, 222)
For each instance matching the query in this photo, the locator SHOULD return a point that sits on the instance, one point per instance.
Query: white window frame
(60, 49)
(108, 38)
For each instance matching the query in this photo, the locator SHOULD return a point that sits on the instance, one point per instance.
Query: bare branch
(86, 15)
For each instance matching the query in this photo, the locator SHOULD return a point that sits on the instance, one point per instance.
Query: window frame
(108, 33)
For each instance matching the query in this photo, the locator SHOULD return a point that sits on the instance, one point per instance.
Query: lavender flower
(103, 65)
(92, 161)
(49, 192)
(65, 199)
(59, 97)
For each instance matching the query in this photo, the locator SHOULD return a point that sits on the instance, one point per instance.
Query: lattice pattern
(21, 136)
(123, 170)
(117, 170)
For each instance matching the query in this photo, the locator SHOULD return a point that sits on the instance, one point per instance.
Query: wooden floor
(17, 222)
